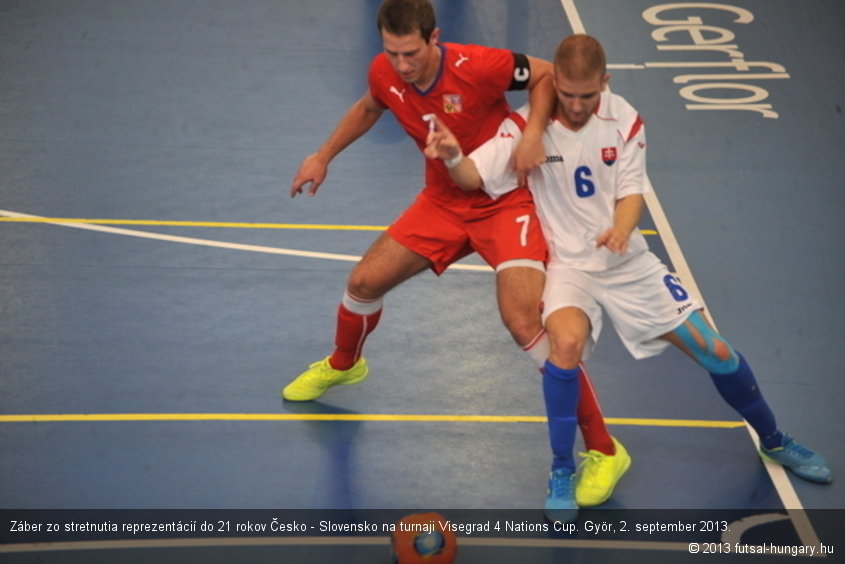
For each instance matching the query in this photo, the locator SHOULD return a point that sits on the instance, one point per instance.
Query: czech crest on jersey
(452, 103)
(608, 155)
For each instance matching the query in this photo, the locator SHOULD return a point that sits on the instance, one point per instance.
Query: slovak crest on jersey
(608, 155)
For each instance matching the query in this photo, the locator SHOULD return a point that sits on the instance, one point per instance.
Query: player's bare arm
(529, 153)
(441, 143)
(626, 216)
(357, 120)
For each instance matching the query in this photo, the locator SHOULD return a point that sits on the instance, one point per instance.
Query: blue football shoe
(802, 461)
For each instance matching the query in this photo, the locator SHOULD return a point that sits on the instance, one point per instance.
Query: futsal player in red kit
(417, 77)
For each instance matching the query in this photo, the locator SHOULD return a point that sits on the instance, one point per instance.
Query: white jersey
(585, 173)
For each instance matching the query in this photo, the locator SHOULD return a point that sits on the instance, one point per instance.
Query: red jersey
(468, 95)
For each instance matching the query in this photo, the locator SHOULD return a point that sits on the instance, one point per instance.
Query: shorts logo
(608, 155)
(452, 103)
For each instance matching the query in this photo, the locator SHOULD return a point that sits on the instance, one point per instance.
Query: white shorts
(642, 299)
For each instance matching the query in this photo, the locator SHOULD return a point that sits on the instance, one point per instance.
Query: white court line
(777, 473)
(217, 244)
(625, 66)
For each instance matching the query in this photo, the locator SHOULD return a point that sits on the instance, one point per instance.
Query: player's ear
(604, 81)
(435, 36)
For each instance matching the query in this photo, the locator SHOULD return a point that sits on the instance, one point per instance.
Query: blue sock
(740, 390)
(560, 390)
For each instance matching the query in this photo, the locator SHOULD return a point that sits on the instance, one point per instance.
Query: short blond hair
(580, 57)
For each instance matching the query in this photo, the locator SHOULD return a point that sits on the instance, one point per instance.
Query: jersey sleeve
(503, 70)
(632, 177)
(374, 81)
(493, 157)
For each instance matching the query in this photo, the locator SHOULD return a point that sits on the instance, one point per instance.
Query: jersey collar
(436, 76)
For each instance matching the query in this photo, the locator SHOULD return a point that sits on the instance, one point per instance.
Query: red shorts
(506, 229)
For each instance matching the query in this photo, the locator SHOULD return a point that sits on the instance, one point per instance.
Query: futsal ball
(423, 538)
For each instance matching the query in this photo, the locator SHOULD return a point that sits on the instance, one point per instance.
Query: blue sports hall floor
(158, 288)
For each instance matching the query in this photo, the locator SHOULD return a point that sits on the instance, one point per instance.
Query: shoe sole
(360, 378)
(809, 478)
(355, 380)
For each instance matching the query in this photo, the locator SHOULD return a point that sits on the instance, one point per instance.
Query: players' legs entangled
(570, 330)
(566, 351)
(560, 391)
(519, 289)
(738, 386)
(591, 418)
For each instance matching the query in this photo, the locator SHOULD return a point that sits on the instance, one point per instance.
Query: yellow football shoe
(599, 474)
(320, 376)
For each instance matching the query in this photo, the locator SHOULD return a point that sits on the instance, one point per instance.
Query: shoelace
(325, 373)
(799, 450)
(560, 485)
(590, 465)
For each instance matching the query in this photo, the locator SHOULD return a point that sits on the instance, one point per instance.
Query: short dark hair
(404, 17)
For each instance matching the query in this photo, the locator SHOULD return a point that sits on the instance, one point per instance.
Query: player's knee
(363, 285)
(719, 357)
(722, 351)
(708, 348)
(360, 285)
(566, 351)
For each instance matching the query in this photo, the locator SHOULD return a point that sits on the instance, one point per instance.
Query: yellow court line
(115, 417)
(215, 224)
(226, 224)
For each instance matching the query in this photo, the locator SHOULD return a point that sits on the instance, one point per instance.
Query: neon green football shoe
(599, 474)
(320, 376)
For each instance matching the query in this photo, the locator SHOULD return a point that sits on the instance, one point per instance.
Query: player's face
(413, 59)
(577, 99)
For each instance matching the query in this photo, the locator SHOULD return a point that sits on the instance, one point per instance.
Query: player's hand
(313, 169)
(441, 143)
(615, 240)
(528, 155)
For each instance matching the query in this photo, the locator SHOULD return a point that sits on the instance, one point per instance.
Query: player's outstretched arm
(441, 143)
(357, 120)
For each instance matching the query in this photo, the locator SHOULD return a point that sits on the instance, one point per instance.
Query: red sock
(352, 331)
(590, 418)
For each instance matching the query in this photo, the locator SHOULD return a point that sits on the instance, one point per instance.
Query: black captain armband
(521, 72)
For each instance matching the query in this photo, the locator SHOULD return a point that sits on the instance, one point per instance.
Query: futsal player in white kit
(589, 197)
